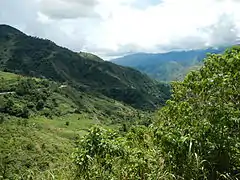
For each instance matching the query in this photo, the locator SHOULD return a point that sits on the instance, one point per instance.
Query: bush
(25, 113)
(26, 86)
(40, 105)
(105, 154)
(199, 129)
(196, 135)
(2, 119)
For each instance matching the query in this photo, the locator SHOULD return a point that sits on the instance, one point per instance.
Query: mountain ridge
(37, 57)
(167, 66)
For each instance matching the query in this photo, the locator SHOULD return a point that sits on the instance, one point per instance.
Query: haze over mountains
(168, 66)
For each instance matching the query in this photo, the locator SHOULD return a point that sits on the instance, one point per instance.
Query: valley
(67, 115)
(37, 57)
(45, 106)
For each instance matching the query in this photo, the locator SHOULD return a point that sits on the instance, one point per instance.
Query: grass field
(41, 146)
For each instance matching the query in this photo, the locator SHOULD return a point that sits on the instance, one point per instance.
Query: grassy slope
(30, 152)
(67, 99)
(40, 146)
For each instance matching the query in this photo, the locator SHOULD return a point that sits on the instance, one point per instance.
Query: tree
(26, 86)
(199, 129)
(40, 105)
(25, 113)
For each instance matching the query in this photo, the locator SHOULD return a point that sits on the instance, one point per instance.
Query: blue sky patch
(143, 4)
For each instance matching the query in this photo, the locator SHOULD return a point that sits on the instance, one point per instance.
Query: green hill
(27, 97)
(40, 119)
(36, 57)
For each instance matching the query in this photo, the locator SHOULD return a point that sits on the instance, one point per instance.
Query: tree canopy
(196, 135)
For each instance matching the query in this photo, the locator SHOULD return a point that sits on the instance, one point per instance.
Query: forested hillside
(36, 57)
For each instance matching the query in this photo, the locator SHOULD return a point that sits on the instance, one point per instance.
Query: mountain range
(32, 56)
(168, 66)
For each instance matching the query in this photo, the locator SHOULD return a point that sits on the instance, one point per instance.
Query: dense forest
(55, 124)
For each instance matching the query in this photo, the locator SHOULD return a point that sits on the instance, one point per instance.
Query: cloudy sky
(111, 28)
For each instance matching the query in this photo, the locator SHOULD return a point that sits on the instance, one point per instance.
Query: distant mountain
(36, 57)
(167, 66)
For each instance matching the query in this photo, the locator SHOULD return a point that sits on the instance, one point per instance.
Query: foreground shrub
(104, 154)
(198, 131)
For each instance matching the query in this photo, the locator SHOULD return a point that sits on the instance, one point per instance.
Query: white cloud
(68, 9)
(127, 25)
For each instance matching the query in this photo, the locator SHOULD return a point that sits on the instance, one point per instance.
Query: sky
(113, 28)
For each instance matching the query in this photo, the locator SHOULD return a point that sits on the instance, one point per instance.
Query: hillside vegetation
(26, 97)
(169, 66)
(57, 124)
(36, 57)
(195, 136)
(40, 119)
